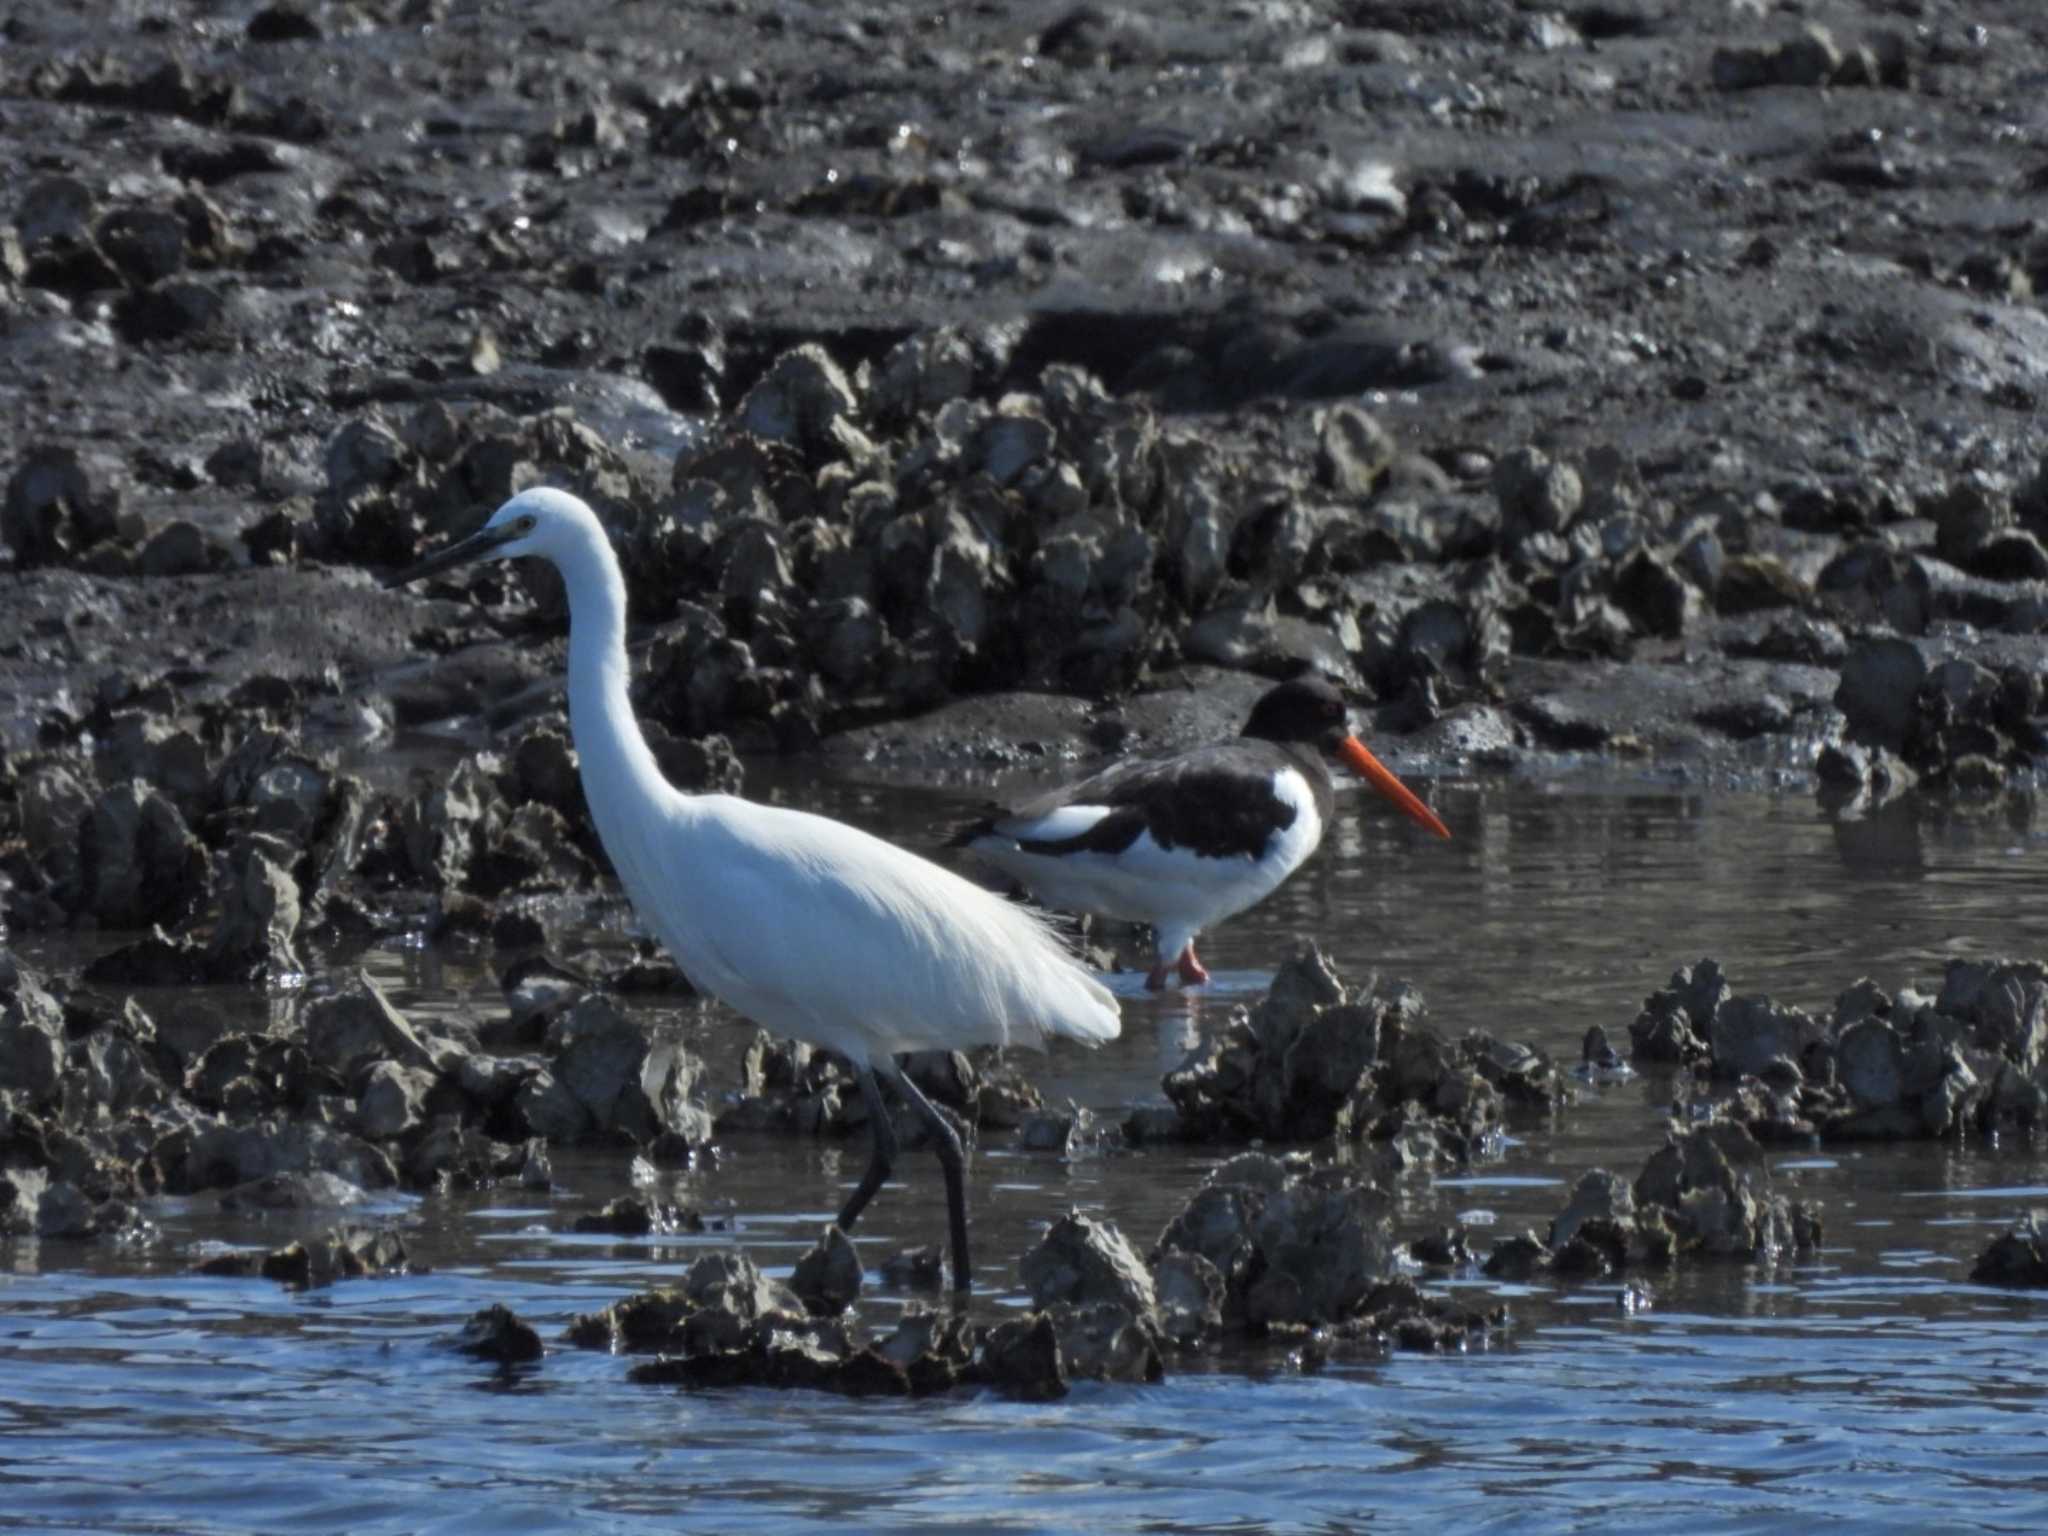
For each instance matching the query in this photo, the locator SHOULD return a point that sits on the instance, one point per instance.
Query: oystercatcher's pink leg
(1191, 972)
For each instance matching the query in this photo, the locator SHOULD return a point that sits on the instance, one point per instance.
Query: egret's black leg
(946, 1142)
(883, 1129)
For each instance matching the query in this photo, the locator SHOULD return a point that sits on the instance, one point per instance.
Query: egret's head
(542, 521)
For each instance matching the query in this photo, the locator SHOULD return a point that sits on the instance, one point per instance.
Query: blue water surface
(1870, 1387)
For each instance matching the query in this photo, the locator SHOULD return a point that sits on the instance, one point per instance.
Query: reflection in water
(1883, 841)
(1181, 1019)
(1872, 1383)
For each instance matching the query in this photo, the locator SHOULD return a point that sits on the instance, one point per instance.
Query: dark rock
(450, 826)
(1847, 767)
(180, 548)
(1253, 636)
(1710, 1187)
(544, 768)
(1597, 1055)
(1081, 1261)
(1022, 1358)
(1299, 1070)
(1872, 583)
(1598, 1194)
(1655, 597)
(1812, 58)
(1447, 1248)
(804, 401)
(54, 208)
(934, 1350)
(1965, 515)
(1290, 1246)
(1676, 1023)
(721, 1295)
(32, 1037)
(345, 1253)
(2005, 1002)
(146, 244)
(1190, 1294)
(293, 1192)
(1870, 1064)
(282, 22)
(156, 960)
(544, 1107)
(2019, 1257)
(358, 1027)
(2015, 554)
(1354, 451)
(689, 377)
(1880, 683)
(498, 1334)
(1063, 1132)
(827, 1279)
(179, 309)
(915, 1269)
(629, 1082)
(1748, 1032)
(53, 512)
(631, 1216)
(392, 1102)
(259, 905)
(1325, 1243)
(1517, 1257)
(1752, 583)
(1105, 1341)
(138, 861)
(1537, 494)
(1745, 719)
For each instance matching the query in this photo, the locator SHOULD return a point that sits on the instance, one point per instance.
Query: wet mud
(1636, 381)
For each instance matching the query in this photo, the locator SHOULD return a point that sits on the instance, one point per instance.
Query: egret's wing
(816, 927)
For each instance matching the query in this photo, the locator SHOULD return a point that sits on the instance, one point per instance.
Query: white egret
(807, 926)
(1186, 840)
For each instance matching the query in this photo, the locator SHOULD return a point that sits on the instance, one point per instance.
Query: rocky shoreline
(1626, 388)
(1301, 1251)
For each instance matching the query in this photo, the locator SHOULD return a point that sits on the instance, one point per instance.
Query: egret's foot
(1192, 972)
(1156, 979)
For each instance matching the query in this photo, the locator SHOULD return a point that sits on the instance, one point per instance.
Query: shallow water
(1870, 1389)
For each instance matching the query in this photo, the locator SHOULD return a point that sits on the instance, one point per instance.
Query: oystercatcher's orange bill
(1381, 778)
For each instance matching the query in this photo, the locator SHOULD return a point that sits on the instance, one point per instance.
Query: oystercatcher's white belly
(1167, 887)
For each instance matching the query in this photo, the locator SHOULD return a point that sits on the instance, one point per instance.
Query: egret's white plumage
(806, 925)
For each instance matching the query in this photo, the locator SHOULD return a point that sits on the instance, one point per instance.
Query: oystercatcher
(1185, 840)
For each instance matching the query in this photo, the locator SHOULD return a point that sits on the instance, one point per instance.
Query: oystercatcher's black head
(1311, 710)
(1308, 709)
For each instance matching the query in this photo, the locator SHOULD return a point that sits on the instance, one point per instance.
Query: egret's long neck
(618, 770)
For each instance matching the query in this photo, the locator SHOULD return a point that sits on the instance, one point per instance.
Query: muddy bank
(1595, 384)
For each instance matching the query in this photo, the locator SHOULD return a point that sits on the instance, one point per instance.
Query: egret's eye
(526, 524)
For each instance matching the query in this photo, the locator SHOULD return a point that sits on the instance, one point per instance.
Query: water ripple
(1870, 1389)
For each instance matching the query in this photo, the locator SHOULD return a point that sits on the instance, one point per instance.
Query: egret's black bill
(461, 552)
